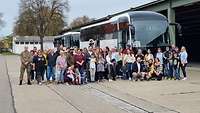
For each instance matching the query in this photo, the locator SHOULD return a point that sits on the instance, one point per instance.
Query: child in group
(176, 66)
(100, 68)
(158, 69)
(170, 76)
(155, 70)
(92, 67)
(71, 76)
(151, 69)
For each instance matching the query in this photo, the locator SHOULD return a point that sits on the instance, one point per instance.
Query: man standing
(51, 65)
(79, 61)
(26, 59)
(167, 55)
(69, 58)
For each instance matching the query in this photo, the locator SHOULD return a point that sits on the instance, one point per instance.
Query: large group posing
(76, 66)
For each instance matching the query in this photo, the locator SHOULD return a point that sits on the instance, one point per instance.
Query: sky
(91, 8)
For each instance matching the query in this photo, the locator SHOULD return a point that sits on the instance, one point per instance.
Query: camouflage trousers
(24, 68)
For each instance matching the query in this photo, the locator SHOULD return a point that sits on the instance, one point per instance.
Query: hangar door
(189, 18)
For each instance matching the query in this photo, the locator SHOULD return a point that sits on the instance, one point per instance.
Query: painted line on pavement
(61, 96)
(131, 103)
(120, 100)
(10, 85)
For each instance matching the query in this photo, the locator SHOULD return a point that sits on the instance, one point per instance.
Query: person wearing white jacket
(92, 67)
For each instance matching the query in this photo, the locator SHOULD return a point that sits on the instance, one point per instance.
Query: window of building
(31, 42)
(26, 42)
(36, 42)
(16, 42)
(21, 42)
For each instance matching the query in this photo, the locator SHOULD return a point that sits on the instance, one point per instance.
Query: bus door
(123, 32)
(122, 38)
(67, 41)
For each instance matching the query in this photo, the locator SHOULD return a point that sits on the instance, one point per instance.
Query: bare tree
(43, 13)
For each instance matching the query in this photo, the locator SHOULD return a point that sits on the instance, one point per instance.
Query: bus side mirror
(178, 27)
(132, 29)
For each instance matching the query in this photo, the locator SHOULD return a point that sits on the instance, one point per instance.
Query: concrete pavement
(6, 101)
(108, 97)
(34, 98)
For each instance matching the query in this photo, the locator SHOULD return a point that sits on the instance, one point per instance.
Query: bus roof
(134, 14)
(68, 33)
(146, 15)
(71, 33)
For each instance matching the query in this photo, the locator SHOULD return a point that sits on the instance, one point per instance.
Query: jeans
(124, 72)
(176, 73)
(82, 75)
(130, 69)
(50, 72)
(39, 73)
(170, 71)
(166, 70)
(61, 75)
(92, 74)
(109, 71)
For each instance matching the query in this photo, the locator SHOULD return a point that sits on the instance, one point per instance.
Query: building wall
(18, 48)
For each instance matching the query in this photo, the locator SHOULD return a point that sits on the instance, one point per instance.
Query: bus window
(147, 31)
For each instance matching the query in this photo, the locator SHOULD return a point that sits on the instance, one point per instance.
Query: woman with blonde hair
(148, 56)
(128, 60)
(61, 66)
(183, 58)
(100, 67)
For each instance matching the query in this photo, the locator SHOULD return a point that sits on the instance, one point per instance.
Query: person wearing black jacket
(87, 63)
(51, 65)
(167, 58)
(176, 66)
(138, 70)
(39, 62)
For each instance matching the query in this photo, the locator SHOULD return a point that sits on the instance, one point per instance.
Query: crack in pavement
(181, 93)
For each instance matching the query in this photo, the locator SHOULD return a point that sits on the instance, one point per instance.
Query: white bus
(136, 28)
(69, 39)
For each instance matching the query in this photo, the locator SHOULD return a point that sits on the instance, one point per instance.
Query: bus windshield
(150, 31)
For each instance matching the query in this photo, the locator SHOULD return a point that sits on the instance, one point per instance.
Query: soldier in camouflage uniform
(26, 59)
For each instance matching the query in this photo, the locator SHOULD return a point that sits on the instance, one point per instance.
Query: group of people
(76, 66)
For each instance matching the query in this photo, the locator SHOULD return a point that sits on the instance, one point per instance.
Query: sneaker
(110, 80)
(185, 78)
(40, 83)
(129, 78)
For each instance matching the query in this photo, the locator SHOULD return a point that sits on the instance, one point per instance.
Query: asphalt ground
(6, 99)
(167, 96)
